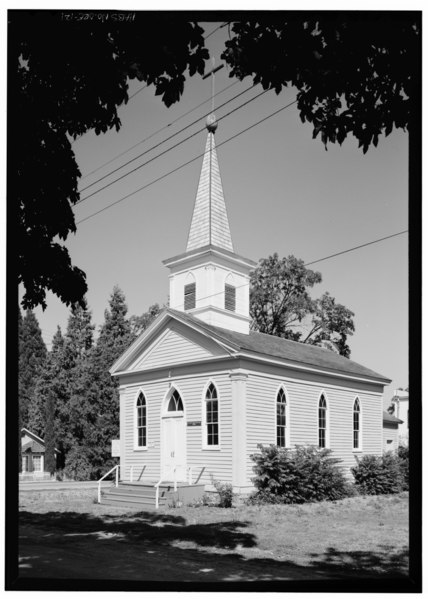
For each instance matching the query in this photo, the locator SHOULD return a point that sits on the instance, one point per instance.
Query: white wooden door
(174, 447)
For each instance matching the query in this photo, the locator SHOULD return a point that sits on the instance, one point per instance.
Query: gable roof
(262, 345)
(33, 436)
(387, 417)
(34, 446)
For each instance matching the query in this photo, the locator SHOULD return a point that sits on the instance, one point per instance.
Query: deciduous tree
(140, 323)
(67, 77)
(354, 73)
(280, 305)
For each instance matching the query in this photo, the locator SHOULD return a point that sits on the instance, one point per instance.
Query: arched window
(211, 417)
(357, 424)
(322, 422)
(281, 418)
(141, 421)
(175, 404)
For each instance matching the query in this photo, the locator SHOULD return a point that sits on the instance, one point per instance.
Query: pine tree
(32, 359)
(102, 422)
(45, 381)
(50, 461)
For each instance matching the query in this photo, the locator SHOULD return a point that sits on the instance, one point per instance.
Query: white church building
(199, 390)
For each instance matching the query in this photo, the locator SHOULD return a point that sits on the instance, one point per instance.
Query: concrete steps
(143, 495)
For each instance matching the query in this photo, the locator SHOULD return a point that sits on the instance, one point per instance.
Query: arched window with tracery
(281, 418)
(322, 422)
(175, 403)
(141, 420)
(211, 417)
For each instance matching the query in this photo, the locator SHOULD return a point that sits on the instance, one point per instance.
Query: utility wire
(162, 142)
(182, 165)
(357, 247)
(156, 132)
(216, 29)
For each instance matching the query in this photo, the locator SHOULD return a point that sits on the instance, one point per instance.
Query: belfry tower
(210, 281)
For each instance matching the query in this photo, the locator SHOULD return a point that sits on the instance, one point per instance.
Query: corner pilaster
(238, 379)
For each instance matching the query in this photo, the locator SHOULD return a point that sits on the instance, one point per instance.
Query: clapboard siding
(173, 348)
(302, 419)
(217, 463)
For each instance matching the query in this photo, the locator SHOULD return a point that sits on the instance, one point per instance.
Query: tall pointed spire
(210, 225)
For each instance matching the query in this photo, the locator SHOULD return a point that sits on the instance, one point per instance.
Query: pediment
(173, 343)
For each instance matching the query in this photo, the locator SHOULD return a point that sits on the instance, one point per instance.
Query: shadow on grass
(387, 560)
(150, 546)
(145, 526)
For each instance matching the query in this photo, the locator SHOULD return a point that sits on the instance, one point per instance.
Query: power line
(357, 247)
(182, 165)
(216, 29)
(156, 132)
(161, 143)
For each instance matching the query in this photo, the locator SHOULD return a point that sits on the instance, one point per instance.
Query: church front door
(174, 447)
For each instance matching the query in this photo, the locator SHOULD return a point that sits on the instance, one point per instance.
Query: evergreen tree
(48, 378)
(73, 382)
(101, 423)
(50, 461)
(32, 359)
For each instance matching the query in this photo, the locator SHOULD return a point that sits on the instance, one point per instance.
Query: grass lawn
(65, 534)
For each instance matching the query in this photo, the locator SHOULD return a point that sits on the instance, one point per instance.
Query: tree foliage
(280, 305)
(298, 475)
(68, 77)
(139, 324)
(50, 434)
(96, 401)
(32, 359)
(354, 73)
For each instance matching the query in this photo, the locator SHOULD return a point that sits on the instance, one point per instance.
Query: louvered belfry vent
(230, 297)
(189, 296)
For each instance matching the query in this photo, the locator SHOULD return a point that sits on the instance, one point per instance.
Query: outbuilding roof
(387, 417)
(260, 344)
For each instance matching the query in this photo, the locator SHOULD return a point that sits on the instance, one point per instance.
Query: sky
(284, 193)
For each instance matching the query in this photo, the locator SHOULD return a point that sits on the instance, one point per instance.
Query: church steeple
(210, 225)
(209, 280)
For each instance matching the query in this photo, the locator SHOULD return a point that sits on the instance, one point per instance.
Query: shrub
(403, 456)
(297, 476)
(379, 475)
(77, 465)
(225, 491)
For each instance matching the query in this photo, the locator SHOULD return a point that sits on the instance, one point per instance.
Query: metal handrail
(157, 485)
(105, 475)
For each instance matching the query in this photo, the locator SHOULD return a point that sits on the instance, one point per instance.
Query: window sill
(357, 451)
(213, 448)
(140, 448)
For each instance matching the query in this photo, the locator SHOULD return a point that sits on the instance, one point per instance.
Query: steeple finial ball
(211, 123)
